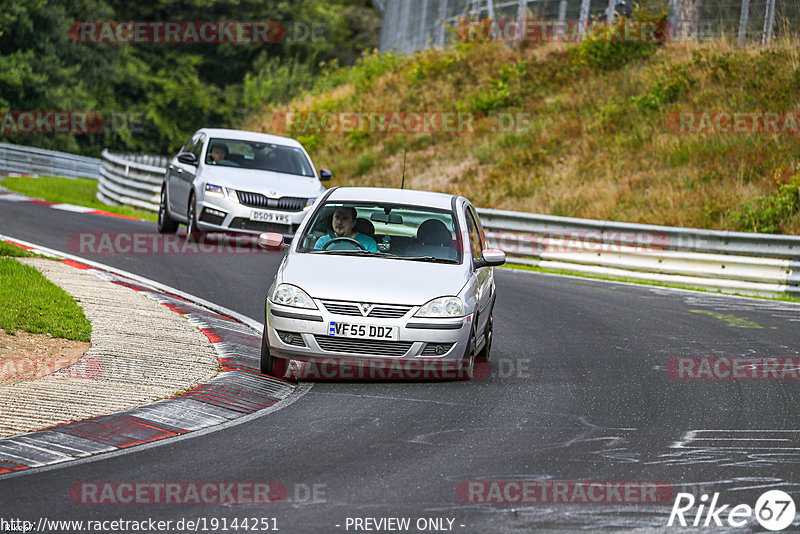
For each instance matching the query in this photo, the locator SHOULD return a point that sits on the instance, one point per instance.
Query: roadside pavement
(141, 351)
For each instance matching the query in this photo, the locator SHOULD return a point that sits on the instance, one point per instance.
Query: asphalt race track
(579, 391)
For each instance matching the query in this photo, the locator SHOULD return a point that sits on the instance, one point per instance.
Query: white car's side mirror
(491, 258)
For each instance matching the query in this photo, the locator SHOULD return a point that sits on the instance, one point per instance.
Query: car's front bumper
(301, 334)
(221, 214)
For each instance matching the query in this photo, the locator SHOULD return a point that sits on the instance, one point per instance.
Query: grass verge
(77, 191)
(32, 303)
(522, 267)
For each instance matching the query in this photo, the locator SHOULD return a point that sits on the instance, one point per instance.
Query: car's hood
(371, 279)
(265, 182)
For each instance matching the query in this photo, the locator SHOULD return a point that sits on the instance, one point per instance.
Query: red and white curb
(10, 196)
(238, 391)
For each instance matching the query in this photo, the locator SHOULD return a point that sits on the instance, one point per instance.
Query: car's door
(484, 280)
(183, 176)
(171, 176)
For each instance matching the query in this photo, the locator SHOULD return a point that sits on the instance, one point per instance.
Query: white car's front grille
(363, 346)
(257, 200)
(377, 311)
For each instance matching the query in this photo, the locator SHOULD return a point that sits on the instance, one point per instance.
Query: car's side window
(187, 147)
(198, 146)
(474, 235)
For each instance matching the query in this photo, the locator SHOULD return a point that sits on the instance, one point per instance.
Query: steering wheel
(349, 240)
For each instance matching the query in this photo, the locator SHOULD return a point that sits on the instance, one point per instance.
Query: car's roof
(399, 196)
(244, 135)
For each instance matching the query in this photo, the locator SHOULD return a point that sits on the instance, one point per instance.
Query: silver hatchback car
(236, 181)
(397, 283)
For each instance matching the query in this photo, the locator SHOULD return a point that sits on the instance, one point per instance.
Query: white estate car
(239, 182)
(383, 277)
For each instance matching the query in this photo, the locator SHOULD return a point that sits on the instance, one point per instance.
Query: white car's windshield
(257, 155)
(372, 229)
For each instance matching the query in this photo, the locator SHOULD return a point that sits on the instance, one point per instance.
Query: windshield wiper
(432, 259)
(356, 251)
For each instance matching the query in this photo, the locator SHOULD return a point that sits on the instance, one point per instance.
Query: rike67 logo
(774, 510)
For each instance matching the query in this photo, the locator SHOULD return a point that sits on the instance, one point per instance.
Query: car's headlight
(212, 189)
(442, 307)
(232, 194)
(290, 295)
(309, 203)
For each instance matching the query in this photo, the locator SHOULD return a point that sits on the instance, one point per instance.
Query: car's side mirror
(490, 258)
(325, 175)
(187, 158)
(271, 241)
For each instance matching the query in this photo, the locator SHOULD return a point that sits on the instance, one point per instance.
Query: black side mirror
(325, 175)
(187, 158)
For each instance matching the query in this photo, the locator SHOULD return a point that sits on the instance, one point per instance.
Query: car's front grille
(436, 349)
(242, 223)
(378, 311)
(363, 346)
(257, 200)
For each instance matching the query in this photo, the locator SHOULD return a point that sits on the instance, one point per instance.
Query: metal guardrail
(748, 263)
(17, 159)
(131, 179)
(758, 264)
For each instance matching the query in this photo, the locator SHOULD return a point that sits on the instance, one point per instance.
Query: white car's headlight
(290, 295)
(442, 307)
(216, 190)
(309, 203)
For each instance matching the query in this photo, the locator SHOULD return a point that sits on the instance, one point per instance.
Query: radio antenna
(403, 183)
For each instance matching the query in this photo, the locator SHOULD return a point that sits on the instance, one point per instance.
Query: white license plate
(363, 331)
(269, 216)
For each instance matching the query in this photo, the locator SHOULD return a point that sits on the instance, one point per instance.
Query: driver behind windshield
(344, 225)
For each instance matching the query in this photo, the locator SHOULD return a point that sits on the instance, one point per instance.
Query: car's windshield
(382, 229)
(258, 155)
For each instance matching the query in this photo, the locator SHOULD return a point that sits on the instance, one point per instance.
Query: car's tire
(166, 224)
(486, 351)
(467, 367)
(191, 217)
(271, 365)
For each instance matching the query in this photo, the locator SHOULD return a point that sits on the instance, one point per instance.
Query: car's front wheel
(166, 224)
(467, 368)
(271, 365)
(191, 217)
(488, 335)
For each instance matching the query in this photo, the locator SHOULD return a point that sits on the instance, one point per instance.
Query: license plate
(269, 216)
(363, 331)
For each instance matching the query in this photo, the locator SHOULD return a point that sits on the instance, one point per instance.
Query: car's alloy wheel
(270, 365)
(166, 224)
(191, 217)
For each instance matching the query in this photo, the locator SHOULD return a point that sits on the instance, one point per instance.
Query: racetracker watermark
(343, 369)
(194, 32)
(563, 492)
(565, 31)
(224, 493)
(399, 122)
(578, 241)
(734, 122)
(734, 368)
(113, 243)
(15, 369)
(70, 122)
